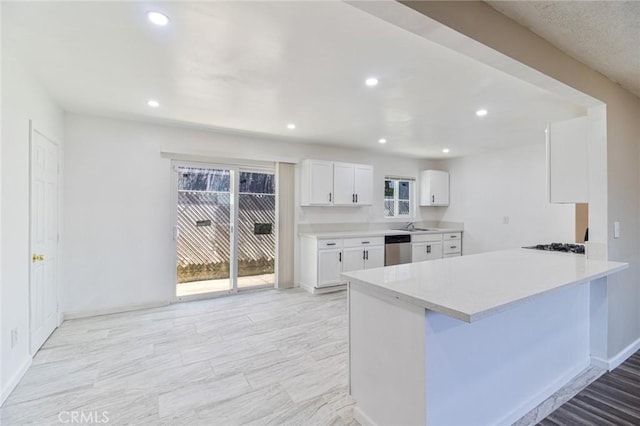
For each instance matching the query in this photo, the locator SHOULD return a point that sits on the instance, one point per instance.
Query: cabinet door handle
(353, 198)
(365, 242)
(329, 197)
(364, 255)
(340, 257)
(433, 198)
(453, 236)
(429, 249)
(367, 251)
(331, 244)
(356, 198)
(453, 246)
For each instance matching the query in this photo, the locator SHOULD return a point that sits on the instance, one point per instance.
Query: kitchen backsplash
(305, 228)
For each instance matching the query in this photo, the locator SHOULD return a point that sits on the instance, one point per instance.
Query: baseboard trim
(541, 396)
(600, 363)
(323, 290)
(305, 287)
(13, 382)
(623, 355)
(115, 310)
(361, 417)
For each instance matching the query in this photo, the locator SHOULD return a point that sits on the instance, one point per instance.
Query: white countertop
(473, 287)
(375, 233)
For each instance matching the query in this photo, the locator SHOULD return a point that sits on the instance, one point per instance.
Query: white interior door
(44, 239)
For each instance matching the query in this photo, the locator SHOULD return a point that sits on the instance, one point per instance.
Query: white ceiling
(256, 66)
(605, 35)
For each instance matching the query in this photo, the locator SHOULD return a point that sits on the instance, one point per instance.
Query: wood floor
(613, 399)
(270, 357)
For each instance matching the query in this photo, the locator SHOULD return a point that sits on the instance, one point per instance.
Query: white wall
(118, 242)
(1, 139)
(510, 182)
(22, 99)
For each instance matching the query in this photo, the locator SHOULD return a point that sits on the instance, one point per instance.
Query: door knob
(37, 257)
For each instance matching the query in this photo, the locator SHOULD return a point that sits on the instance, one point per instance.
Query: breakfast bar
(479, 339)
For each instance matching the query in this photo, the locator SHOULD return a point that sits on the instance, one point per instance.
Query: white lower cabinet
(353, 259)
(426, 247)
(329, 267)
(435, 246)
(357, 258)
(323, 260)
(452, 244)
(375, 257)
(426, 251)
(363, 253)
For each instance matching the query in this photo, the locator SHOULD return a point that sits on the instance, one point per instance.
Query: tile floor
(269, 357)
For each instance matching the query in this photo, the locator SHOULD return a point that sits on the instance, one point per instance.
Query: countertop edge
(375, 291)
(470, 317)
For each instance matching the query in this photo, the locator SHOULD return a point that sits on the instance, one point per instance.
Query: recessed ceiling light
(382, 140)
(153, 103)
(445, 150)
(371, 81)
(481, 112)
(291, 126)
(160, 19)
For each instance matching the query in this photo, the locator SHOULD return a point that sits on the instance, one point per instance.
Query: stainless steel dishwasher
(397, 249)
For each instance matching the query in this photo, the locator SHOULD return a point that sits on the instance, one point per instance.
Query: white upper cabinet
(363, 184)
(567, 161)
(316, 183)
(434, 188)
(352, 184)
(343, 184)
(348, 184)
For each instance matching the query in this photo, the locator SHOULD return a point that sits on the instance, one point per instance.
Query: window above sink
(399, 198)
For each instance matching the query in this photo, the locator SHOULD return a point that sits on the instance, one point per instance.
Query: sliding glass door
(225, 230)
(256, 221)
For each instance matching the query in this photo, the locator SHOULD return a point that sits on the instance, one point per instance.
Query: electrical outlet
(14, 337)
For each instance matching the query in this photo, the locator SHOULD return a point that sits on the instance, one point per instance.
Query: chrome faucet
(411, 226)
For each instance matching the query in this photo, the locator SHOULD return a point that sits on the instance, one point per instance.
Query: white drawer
(334, 243)
(452, 247)
(450, 236)
(361, 242)
(452, 255)
(424, 238)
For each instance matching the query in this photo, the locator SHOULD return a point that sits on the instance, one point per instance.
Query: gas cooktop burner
(567, 248)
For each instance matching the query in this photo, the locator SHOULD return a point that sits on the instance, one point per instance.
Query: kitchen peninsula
(479, 339)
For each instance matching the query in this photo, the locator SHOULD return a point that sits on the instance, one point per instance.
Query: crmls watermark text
(83, 417)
